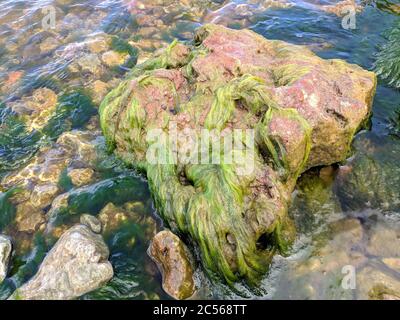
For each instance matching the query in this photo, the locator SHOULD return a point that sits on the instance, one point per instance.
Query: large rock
(303, 111)
(174, 261)
(5, 253)
(77, 264)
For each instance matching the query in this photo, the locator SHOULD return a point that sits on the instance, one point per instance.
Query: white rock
(77, 264)
(5, 253)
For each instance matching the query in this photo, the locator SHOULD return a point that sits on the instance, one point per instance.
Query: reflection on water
(53, 79)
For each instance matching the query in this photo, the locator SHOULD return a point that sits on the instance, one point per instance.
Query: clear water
(31, 58)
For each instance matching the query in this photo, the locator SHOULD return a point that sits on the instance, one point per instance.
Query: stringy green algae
(214, 205)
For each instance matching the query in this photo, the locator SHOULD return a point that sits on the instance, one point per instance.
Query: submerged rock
(232, 13)
(40, 178)
(113, 58)
(303, 111)
(37, 109)
(113, 217)
(92, 222)
(174, 261)
(5, 253)
(77, 264)
(373, 283)
(81, 177)
(371, 179)
(320, 275)
(341, 8)
(384, 241)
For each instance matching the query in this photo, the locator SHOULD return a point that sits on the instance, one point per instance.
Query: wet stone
(43, 195)
(113, 58)
(81, 177)
(92, 222)
(5, 253)
(29, 218)
(174, 261)
(77, 264)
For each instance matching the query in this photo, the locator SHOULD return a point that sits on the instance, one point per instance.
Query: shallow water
(337, 226)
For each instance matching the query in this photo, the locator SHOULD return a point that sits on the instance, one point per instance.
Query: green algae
(215, 196)
(91, 199)
(65, 182)
(7, 209)
(16, 143)
(387, 64)
(73, 110)
(118, 22)
(394, 123)
(212, 205)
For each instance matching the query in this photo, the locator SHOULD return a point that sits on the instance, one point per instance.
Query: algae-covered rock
(77, 264)
(302, 111)
(173, 258)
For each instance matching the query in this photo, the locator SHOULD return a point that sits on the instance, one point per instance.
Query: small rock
(98, 45)
(60, 202)
(173, 259)
(29, 218)
(36, 109)
(82, 143)
(90, 63)
(327, 174)
(43, 195)
(49, 44)
(77, 264)
(81, 177)
(5, 253)
(111, 217)
(113, 58)
(243, 10)
(372, 283)
(147, 32)
(348, 231)
(13, 77)
(393, 263)
(99, 89)
(92, 222)
(144, 19)
(384, 242)
(342, 8)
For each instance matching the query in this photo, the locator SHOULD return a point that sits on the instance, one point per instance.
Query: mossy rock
(303, 111)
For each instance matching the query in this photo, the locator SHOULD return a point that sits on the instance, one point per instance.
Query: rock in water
(92, 222)
(371, 179)
(172, 257)
(77, 264)
(302, 111)
(5, 252)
